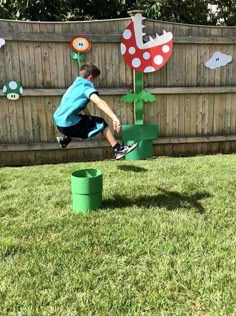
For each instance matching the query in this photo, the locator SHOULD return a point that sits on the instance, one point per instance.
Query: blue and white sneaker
(64, 141)
(124, 150)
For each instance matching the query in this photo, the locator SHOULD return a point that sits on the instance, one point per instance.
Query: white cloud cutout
(218, 60)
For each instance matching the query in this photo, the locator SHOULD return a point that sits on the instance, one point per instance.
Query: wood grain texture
(195, 107)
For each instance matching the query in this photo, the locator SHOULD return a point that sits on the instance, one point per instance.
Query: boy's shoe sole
(129, 149)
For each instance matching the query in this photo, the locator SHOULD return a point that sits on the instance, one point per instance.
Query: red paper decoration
(145, 57)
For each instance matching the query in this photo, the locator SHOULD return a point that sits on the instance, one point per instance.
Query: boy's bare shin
(109, 136)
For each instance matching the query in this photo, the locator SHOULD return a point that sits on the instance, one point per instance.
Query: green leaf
(74, 55)
(81, 56)
(130, 98)
(141, 96)
(146, 96)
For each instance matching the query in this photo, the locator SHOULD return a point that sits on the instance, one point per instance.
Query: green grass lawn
(163, 244)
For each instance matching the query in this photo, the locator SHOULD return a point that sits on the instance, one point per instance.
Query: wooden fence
(195, 107)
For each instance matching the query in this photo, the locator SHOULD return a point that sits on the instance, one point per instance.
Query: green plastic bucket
(143, 151)
(86, 187)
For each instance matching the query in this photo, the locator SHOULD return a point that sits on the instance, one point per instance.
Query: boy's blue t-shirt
(73, 101)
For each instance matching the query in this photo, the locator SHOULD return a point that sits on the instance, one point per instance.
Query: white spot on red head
(132, 50)
(165, 49)
(136, 62)
(127, 34)
(149, 69)
(158, 60)
(146, 55)
(122, 48)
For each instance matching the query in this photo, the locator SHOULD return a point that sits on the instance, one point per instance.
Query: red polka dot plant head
(145, 57)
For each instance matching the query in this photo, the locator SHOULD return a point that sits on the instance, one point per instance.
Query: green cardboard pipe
(143, 134)
(144, 150)
(86, 187)
(139, 132)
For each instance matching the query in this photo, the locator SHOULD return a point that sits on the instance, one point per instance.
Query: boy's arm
(106, 109)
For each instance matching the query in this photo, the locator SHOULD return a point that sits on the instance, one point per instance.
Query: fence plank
(39, 80)
(233, 114)
(13, 120)
(199, 115)
(226, 116)
(28, 120)
(187, 119)
(42, 120)
(35, 119)
(20, 120)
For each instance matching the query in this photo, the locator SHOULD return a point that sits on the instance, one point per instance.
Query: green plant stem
(138, 105)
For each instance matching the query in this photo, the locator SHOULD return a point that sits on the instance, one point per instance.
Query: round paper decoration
(80, 44)
(218, 60)
(12, 89)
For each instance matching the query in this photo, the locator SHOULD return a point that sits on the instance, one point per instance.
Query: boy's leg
(86, 127)
(92, 125)
(63, 140)
(109, 136)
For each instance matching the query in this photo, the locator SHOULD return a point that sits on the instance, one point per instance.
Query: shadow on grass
(130, 168)
(170, 200)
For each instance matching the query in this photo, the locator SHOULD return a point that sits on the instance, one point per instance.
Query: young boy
(71, 123)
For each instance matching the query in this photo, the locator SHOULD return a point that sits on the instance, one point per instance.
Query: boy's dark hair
(89, 69)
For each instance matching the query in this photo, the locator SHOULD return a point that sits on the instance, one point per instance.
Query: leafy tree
(182, 11)
(43, 10)
(225, 12)
(34, 10)
(8, 9)
(98, 9)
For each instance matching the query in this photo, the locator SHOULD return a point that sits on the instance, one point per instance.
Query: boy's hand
(116, 125)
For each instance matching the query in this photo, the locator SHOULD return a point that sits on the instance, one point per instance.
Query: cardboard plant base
(143, 134)
(143, 151)
(139, 132)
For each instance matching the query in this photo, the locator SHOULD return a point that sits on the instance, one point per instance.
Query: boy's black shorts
(87, 127)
